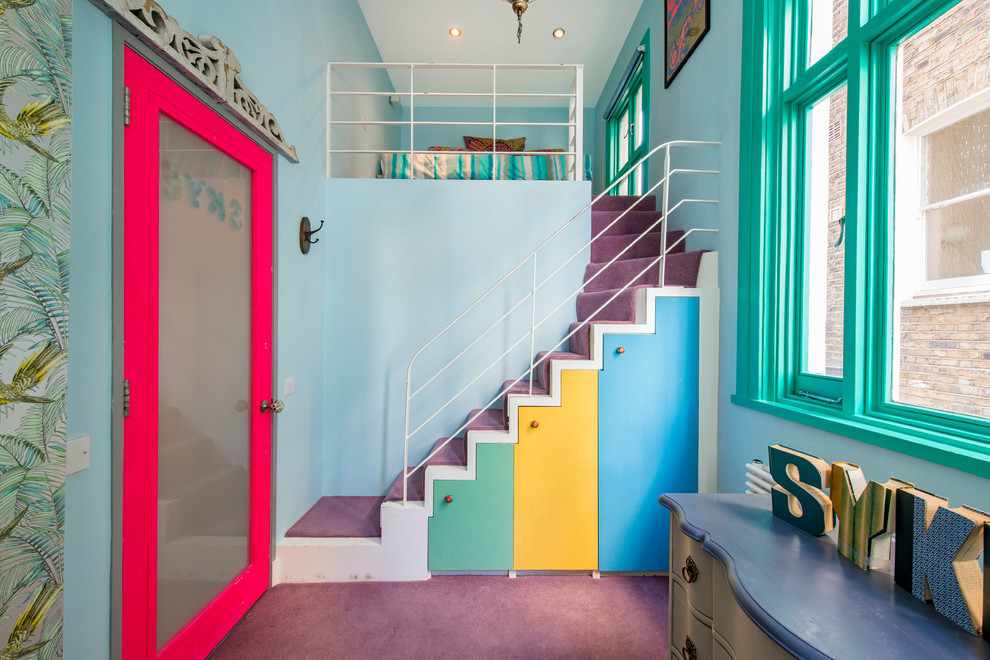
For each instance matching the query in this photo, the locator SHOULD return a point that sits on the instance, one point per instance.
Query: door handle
(275, 406)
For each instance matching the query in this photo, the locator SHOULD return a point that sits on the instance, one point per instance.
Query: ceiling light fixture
(520, 7)
(455, 31)
(558, 33)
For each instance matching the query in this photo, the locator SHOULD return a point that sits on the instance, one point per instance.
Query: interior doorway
(197, 429)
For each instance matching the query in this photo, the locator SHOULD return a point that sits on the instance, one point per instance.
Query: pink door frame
(151, 94)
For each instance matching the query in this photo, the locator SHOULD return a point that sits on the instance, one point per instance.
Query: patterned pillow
(445, 149)
(485, 144)
(546, 151)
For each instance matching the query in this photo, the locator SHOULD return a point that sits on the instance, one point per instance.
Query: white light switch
(77, 454)
(290, 386)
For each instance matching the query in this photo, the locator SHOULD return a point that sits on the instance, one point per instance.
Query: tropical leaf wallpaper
(35, 141)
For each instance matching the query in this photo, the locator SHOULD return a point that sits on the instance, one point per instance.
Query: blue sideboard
(745, 584)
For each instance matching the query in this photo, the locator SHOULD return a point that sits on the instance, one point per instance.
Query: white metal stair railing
(531, 297)
(498, 99)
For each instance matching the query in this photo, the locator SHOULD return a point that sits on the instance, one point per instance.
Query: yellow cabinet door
(556, 480)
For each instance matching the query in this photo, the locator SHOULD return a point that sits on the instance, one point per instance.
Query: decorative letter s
(798, 497)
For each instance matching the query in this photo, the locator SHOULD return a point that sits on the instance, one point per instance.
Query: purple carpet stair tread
(605, 277)
(624, 222)
(488, 420)
(682, 269)
(679, 270)
(621, 308)
(341, 517)
(543, 370)
(453, 453)
(607, 248)
(623, 202)
(580, 341)
(522, 387)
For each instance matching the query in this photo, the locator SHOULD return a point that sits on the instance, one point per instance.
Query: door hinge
(127, 109)
(127, 398)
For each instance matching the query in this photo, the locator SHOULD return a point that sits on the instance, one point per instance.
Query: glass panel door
(204, 374)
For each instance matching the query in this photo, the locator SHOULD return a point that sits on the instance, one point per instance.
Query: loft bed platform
(456, 122)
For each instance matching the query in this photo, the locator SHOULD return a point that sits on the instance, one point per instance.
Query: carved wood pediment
(205, 60)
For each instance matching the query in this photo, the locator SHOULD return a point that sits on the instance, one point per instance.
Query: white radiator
(758, 479)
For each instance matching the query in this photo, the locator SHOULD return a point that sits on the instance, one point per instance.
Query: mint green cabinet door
(473, 532)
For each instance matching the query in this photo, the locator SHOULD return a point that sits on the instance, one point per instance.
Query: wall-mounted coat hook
(305, 234)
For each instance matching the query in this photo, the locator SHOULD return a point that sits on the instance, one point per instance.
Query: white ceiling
(416, 31)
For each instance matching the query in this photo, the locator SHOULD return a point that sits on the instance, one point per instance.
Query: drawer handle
(448, 499)
(690, 570)
(689, 651)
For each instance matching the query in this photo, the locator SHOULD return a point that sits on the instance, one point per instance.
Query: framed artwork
(687, 23)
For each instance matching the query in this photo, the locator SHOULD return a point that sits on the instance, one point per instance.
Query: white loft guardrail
(574, 153)
(661, 223)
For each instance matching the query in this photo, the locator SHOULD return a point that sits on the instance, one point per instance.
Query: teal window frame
(639, 80)
(778, 86)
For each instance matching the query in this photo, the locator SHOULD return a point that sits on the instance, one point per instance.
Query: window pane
(941, 338)
(623, 140)
(957, 240)
(829, 24)
(639, 120)
(824, 240)
(636, 180)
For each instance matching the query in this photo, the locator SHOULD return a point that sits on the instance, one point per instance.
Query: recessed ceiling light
(455, 32)
(558, 33)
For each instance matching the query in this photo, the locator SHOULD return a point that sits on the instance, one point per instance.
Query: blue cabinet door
(647, 435)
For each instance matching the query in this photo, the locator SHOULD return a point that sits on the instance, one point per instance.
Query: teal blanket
(479, 166)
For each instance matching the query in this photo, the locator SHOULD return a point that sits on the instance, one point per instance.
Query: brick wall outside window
(944, 347)
(945, 357)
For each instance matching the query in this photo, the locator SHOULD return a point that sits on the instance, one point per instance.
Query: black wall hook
(305, 234)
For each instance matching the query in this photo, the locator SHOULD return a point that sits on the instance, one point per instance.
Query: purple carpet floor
(457, 617)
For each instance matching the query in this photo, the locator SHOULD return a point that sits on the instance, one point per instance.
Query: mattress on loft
(477, 166)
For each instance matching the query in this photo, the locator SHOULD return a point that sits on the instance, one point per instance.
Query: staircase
(375, 538)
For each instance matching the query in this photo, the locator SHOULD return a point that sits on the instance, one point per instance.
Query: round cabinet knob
(448, 499)
(534, 424)
(275, 406)
(690, 570)
(689, 651)
(620, 350)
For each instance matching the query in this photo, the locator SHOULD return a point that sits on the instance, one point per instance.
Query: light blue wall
(88, 494)
(284, 55)
(703, 103)
(403, 259)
